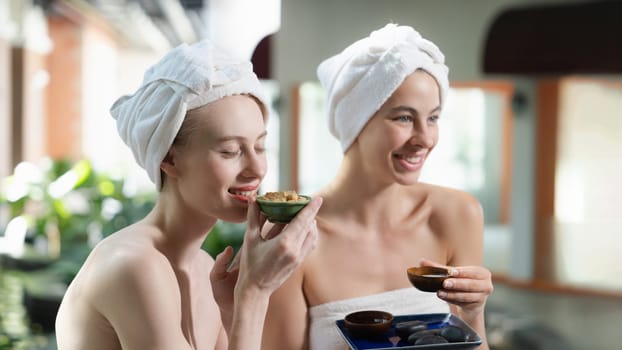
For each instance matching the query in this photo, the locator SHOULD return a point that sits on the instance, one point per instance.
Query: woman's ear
(168, 164)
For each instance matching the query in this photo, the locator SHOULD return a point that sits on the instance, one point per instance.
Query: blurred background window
(588, 221)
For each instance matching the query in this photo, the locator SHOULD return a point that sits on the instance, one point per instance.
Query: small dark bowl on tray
(368, 323)
(459, 335)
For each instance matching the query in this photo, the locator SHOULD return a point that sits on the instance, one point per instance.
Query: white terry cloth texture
(323, 332)
(188, 77)
(360, 79)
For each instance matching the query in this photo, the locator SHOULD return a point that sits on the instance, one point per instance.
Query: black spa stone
(431, 339)
(413, 338)
(453, 334)
(404, 329)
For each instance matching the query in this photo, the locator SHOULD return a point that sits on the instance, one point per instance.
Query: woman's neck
(365, 198)
(182, 229)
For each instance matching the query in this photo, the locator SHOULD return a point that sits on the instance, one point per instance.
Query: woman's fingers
(467, 272)
(461, 298)
(303, 222)
(473, 272)
(302, 219)
(466, 282)
(310, 241)
(254, 221)
(267, 262)
(219, 270)
(274, 231)
(468, 285)
(235, 263)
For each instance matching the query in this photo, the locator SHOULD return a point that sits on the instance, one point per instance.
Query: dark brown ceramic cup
(368, 323)
(427, 278)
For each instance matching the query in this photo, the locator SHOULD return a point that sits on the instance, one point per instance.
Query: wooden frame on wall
(6, 116)
(294, 138)
(547, 115)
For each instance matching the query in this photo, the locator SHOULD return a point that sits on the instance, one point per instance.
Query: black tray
(392, 341)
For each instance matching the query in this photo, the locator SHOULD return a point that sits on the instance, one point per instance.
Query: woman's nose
(422, 136)
(255, 165)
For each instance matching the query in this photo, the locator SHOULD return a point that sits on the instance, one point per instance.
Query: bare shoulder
(128, 262)
(458, 217)
(453, 210)
(451, 202)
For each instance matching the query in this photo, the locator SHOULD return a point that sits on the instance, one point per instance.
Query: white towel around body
(323, 331)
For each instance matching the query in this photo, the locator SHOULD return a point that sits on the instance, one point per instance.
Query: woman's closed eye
(231, 153)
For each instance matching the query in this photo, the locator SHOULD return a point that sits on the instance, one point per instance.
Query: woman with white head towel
(197, 126)
(385, 94)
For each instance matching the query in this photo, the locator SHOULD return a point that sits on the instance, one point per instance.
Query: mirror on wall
(587, 225)
(319, 153)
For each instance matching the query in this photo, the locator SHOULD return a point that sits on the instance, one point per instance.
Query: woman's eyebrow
(411, 110)
(235, 137)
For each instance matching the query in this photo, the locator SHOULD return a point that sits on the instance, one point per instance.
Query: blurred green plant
(222, 235)
(65, 208)
(69, 207)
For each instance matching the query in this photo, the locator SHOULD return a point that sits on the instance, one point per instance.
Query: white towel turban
(188, 77)
(363, 76)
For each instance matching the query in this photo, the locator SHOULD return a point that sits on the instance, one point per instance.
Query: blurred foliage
(222, 235)
(69, 207)
(16, 332)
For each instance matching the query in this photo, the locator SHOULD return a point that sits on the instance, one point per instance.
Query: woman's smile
(410, 162)
(242, 193)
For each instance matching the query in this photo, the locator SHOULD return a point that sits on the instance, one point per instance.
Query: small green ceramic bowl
(282, 212)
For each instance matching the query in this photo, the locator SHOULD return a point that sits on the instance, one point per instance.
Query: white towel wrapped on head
(188, 77)
(363, 76)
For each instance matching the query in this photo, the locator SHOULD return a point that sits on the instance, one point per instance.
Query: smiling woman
(384, 97)
(196, 125)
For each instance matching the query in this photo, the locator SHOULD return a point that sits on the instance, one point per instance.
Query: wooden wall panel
(547, 116)
(64, 91)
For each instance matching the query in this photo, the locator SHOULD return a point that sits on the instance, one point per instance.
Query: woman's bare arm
(265, 265)
(471, 283)
(287, 321)
(131, 294)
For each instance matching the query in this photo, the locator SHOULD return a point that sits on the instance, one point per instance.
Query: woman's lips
(242, 194)
(410, 162)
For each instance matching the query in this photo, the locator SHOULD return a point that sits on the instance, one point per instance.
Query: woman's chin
(407, 179)
(236, 219)
(234, 215)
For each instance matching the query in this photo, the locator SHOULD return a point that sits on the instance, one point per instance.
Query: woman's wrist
(226, 317)
(247, 291)
(249, 312)
(476, 321)
(471, 317)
